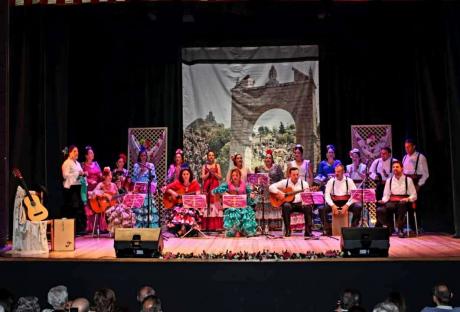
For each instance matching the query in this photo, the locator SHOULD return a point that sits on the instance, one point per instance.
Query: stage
(413, 266)
(88, 248)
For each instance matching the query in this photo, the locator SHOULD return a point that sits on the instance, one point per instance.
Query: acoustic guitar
(35, 210)
(99, 204)
(289, 196)
(170, 201)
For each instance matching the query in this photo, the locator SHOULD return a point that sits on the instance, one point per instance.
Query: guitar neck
(26, 189)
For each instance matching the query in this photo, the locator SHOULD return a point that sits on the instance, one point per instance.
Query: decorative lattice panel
(155, 141)
(370, 139)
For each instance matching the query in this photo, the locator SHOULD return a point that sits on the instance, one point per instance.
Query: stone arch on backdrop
(295, 97)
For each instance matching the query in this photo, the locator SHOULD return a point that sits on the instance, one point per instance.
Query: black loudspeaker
(138, 243)
(365, 242)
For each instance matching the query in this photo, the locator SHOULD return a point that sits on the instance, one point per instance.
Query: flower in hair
(269, 152)
(179, 151)
(65, 150)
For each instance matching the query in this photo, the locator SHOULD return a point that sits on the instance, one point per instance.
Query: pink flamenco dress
(93, 178)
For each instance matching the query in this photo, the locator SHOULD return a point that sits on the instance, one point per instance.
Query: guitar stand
(97, 217)
(196, 229)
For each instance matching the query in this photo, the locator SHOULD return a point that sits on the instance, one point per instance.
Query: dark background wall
(85, 74)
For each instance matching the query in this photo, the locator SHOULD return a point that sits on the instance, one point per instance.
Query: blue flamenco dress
(141, 213)
(242, 220)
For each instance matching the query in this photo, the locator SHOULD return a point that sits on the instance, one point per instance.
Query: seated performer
(295, 184)
(356, 170)
(380, 170)
(183, 219)
(338, 199)
(398, 195)
(238, 220)
(415, 164)
(101, 198)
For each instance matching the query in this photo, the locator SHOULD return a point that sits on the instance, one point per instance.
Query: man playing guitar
(295, 185)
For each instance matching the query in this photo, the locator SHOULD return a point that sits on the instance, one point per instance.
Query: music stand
(314, 198)
(134, 200)
(364, 196)
(197, 202)
(260, 181)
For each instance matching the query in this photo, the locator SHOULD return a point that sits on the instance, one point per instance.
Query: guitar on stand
(35, 210)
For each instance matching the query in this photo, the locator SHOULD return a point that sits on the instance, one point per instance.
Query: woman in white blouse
(73, 205)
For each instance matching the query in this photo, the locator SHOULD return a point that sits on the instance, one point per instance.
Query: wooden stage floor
(425, 247)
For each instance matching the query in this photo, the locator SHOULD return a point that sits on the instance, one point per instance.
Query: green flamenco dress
(242, 220)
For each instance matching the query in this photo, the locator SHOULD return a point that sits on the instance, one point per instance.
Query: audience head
(151, 304)
(58, 297)
(82, 304)
(396, 298)
(350, 298)
(386, 307)
(6, 300)
(442, 294)
(144, 292)
(27, 304)
(105, 300)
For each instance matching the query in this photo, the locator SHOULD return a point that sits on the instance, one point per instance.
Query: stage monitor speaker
(138, 243)
(365, 242)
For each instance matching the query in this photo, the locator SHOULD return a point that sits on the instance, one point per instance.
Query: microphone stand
(362, 186)
(149, 195)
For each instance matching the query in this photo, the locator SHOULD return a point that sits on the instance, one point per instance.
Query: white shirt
(378, 165)
(398, 187)
(70, 172)
(340, 189)
(281, 185)
(355, 174)
(409, 163)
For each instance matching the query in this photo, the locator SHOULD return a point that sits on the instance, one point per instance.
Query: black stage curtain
(4, 119)
(85, 74)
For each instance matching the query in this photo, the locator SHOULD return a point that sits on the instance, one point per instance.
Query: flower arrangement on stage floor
(260, 256)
